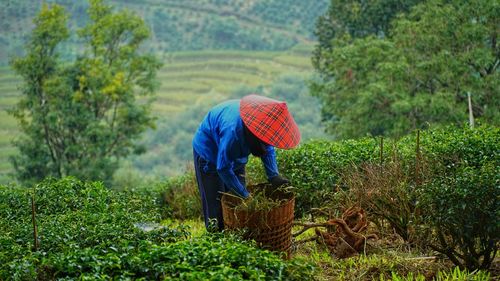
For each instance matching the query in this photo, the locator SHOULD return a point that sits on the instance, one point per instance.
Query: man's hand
(279, 181)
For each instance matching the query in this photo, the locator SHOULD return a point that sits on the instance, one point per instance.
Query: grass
(187, 78)
(294, 61)
(8, 123)
(195, 227)
(219, 76)
(223, 55)
(385, 259)
(8, 101)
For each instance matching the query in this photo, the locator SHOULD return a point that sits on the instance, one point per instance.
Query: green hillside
(210, 49)
(184, 25)
(187, 78)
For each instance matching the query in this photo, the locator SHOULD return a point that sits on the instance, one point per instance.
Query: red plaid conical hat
(270, 121)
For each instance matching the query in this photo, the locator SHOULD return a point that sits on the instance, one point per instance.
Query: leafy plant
(87, 231)
(210, 257)
(315, 168)
(356, 18)
(72, 215)
(263, 198)
(462, 209)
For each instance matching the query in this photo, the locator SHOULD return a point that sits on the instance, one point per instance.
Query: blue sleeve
(269, 162)
(225, 166)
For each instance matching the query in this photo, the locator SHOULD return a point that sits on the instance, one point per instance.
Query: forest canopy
(421, 71)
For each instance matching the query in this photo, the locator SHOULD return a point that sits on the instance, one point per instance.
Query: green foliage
(420, 74)
(36, 68)
(72, 216)
(356, 18)
(395, 192)
(210, 257)
(86, 231)
(80, 118)
(316, 167)
(360, 100)
(457, 147)
(462, 208)
(454, 50)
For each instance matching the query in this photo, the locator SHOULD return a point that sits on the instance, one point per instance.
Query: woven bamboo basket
(271, 229)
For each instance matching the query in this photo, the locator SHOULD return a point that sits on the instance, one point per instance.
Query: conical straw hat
(270, 121)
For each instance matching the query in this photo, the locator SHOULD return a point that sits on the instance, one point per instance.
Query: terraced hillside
(187, 78)
(183, 24)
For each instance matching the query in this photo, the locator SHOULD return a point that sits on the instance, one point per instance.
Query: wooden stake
(417, 160)
(381, 150)
(471, 114)
(33, 217)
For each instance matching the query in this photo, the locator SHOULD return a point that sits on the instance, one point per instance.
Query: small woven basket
(272, 230)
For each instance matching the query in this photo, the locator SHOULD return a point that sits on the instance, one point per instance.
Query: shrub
(462, 209)
(210, 257)
(88, 232)
(71, 216)
(315, 168)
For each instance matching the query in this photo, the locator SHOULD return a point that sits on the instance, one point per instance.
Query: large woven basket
(271, 229)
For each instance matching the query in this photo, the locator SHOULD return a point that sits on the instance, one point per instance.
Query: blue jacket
(220, 140)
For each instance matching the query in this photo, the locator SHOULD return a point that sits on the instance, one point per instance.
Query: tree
(358, 19)
(80, 118)
(419, 74)
(452, 50)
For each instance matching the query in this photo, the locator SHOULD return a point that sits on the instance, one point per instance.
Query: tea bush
(88, 232)
(210, 257)
(462, 209)
(456, 147)
(315, 168)
(459, 202)
(72, 215)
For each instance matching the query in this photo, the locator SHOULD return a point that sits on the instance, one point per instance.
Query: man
(226, 137)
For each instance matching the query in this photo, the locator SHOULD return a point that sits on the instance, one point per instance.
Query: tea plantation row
(88, 232)
(316, 168)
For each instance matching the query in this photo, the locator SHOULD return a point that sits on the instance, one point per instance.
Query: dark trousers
(210, 186)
